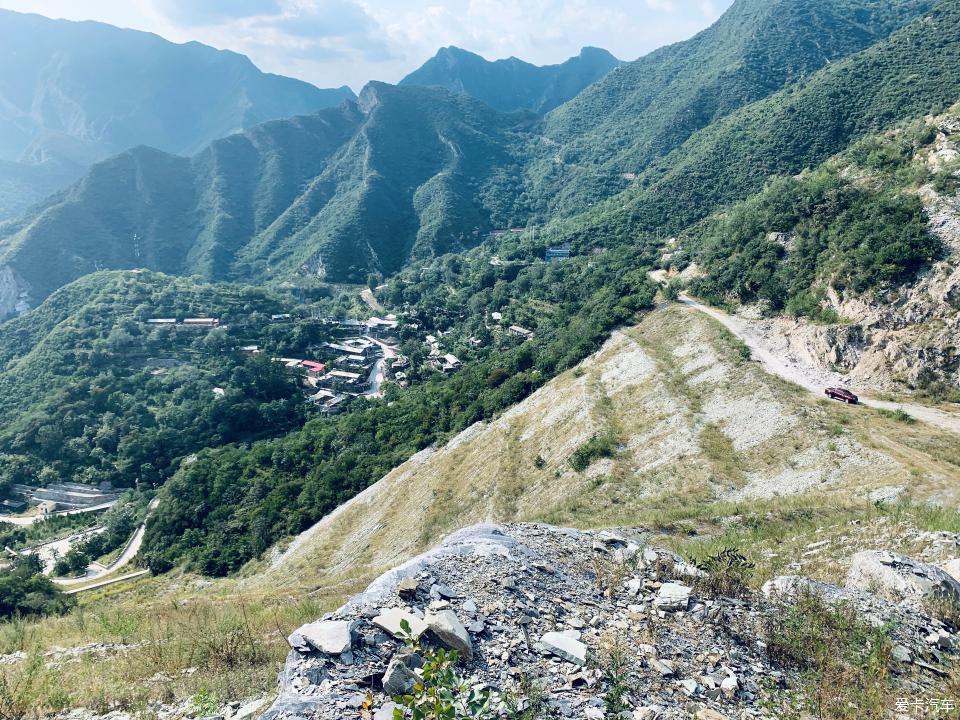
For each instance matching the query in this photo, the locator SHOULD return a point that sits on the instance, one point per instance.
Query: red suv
(842, 394)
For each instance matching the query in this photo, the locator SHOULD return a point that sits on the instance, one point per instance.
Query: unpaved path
(815, 379)
(371, 300)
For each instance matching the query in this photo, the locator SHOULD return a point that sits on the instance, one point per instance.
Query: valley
(536, 359)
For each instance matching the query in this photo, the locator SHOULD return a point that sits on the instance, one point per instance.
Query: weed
(843, 660)
(900, 415)
(601, 445)
(728, 574)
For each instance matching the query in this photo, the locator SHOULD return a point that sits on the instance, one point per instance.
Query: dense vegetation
(853, 224)
(234, 503)
(25, 590)
(75, 93)
(649, 107)
(90, 392)
(512, 84)
(910, 74)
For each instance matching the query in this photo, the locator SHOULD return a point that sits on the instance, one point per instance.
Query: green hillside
(91, 392)
(910, 74)
(76, 93)
(513, 84)
(647, 108)
(408, 173)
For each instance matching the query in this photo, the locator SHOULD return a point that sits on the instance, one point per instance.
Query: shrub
(442, 693)
(728, 574)
(599, 446)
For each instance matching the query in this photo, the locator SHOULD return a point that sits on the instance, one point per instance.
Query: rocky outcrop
(14, 293)
(902, 579)
(534, 605)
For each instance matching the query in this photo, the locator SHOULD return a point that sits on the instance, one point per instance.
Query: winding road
(815, 379)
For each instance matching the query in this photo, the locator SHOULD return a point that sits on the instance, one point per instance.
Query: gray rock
(407, 587)
(664, 667)
(898, 577)
(398, 679)
(672, 597)
(389, 621)
(901, 654)
(566, 647)
(385, 712)
(331, 637)
(447, 628)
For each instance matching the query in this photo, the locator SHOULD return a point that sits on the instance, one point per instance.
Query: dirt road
(815, 379)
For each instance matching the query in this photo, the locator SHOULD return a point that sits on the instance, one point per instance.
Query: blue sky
(337, 42)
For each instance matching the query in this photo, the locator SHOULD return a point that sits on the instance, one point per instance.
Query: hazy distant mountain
(513, 84)
(361, 187)
(72, 94)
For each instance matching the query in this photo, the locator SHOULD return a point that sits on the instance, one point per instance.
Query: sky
(349, 42)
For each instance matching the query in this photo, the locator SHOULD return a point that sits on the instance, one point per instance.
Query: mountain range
(74, 93)
(408, 171)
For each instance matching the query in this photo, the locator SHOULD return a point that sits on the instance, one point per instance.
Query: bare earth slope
(695, 423)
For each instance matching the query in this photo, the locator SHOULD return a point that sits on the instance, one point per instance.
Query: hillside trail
(815, 379)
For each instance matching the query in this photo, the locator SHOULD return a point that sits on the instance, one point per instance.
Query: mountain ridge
(510, 83)
(74, 93)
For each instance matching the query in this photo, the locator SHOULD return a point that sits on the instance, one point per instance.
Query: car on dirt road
(842, 394)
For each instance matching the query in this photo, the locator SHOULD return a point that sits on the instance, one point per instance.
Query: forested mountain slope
(634, 116)
(513, 84)
(912, 73)
(90, 391)
(75, 93)
(407, 172)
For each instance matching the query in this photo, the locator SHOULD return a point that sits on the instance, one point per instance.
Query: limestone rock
(398, 678)
(898, 577)
(331, 637)
(447, 628)
(566, 647)
(389, 621)
(672, 597)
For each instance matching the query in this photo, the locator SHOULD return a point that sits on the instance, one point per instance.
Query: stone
(689, 686)
(901, 654)
(664, 667)
(447, 628)
(566, 647)
(648, 712)
(952, 568)
(331, 637)
(385, 712)
(672, 597)
(389, 621)
(398, 679)
(443, 592)
(469, 607)
(729, 685)
(408, 587)
(708, 714)
(898, 577)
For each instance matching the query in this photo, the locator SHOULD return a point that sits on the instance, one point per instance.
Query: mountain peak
(511, 83)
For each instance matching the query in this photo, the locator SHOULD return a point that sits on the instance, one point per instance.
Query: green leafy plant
(442, 693)
(728, 574)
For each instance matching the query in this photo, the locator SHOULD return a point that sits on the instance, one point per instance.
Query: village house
(314, 369)
(201, 322)
(521, 331)
(343, 381)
